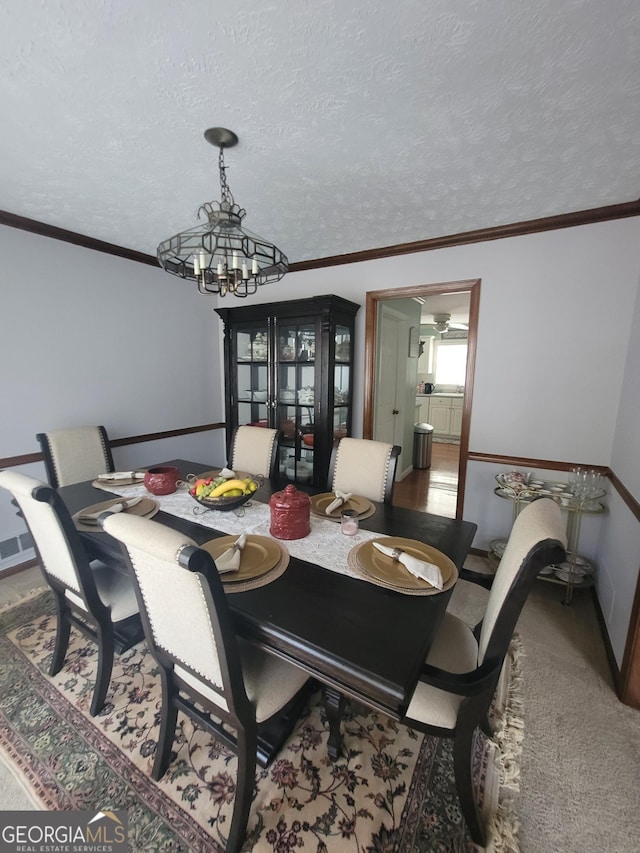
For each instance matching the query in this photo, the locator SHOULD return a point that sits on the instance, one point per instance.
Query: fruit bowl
(223, 503)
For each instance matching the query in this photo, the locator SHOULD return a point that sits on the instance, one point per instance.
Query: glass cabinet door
(295, 392)
(342, 383)
(252, 375)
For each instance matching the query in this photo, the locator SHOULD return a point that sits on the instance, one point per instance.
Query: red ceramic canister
(290, 514)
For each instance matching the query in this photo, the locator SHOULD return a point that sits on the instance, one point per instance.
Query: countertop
(451, 394)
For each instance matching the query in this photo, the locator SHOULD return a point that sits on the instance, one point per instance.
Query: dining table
(359, 640)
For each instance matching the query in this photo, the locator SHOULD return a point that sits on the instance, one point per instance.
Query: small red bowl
(308, 439)
(161, 480)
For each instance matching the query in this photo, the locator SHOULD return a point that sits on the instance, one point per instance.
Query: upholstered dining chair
(205, 671)
(75, 454)
(364, 467)
(254, 450)
(462, 671)
(92, 598)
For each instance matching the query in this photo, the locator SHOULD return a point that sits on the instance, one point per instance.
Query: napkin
(229, 560)
(427, 571)
(227, 473)
(341, 498)
(121, 475)
(92, 517)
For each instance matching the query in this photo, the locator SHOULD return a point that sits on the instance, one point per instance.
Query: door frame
(370, 347)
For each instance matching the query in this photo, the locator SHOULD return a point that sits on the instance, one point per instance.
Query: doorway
(472, 287)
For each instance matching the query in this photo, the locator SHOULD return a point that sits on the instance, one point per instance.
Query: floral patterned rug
(392, 790)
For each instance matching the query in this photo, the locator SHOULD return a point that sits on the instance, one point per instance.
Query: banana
(227, 486)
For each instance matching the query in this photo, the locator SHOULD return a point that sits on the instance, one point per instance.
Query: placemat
(147, 508)
(415, 586)
(319, 503)
(231, 586)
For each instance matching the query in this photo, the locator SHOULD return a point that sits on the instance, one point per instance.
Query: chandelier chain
(224, 186)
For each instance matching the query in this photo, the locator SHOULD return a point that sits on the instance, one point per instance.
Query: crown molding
(499, 232)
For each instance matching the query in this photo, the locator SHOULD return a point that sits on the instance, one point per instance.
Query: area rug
(391, 791)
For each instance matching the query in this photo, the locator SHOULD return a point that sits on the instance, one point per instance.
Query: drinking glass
(349, 524)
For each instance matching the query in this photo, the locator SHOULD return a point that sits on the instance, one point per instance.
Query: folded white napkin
(92, 517)
(427, 571)
(229, 560)
(341, 498)
(121, 475)
(227, 473)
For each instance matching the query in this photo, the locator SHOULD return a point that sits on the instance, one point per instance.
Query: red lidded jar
(290, 514)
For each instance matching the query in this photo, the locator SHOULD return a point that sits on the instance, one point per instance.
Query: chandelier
(220, 254)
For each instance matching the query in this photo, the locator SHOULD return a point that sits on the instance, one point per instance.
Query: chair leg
(168, 721)
(247, 746)
(63, 631)
(105, 668)
(462, 752)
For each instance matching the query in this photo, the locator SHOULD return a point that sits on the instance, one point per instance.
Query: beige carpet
(580, 762)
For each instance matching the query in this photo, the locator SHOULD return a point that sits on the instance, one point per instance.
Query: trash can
(422, 441)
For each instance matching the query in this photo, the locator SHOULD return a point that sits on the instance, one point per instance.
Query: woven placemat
(354, 565)
(272, 575)
(147, 508)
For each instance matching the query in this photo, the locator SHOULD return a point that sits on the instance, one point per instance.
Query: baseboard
(20, 567)
(611, 658)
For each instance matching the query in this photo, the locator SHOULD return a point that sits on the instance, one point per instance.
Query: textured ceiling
(361, 124)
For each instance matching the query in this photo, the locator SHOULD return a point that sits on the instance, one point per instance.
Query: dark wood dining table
(357, 639)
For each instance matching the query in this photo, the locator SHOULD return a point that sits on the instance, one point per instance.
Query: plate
(259, 556)
(145, 509)
(389, 571)
(319, 503)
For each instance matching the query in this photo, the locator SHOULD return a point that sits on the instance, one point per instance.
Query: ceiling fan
(442, 323)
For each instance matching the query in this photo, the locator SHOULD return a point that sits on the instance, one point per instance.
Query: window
(451, 362)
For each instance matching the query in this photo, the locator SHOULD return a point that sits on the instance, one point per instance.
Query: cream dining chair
(363, 467)
(254, 450)
(205, 670)
(462, 671)
(75, 454)
(92, 598)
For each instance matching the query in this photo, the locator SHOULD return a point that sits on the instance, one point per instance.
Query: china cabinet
(289, 366)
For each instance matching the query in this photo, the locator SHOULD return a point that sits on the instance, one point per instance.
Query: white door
(390, 377)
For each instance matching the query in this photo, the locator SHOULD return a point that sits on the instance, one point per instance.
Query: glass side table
(576, 572)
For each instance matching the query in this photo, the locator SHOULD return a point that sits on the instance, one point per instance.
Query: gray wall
(91, 338)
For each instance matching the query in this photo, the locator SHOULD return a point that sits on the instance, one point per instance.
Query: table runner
(325, 545)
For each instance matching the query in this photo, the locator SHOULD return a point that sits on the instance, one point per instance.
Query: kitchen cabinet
(445, 415)
(289, 366)
(422, 410)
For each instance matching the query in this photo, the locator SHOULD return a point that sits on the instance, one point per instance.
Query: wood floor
(434, 489)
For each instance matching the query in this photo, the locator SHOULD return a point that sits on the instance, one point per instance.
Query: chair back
(254, 450)
(75, 454)
(183, 608)
(57, 543)
(363, 467)
(538, 539)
